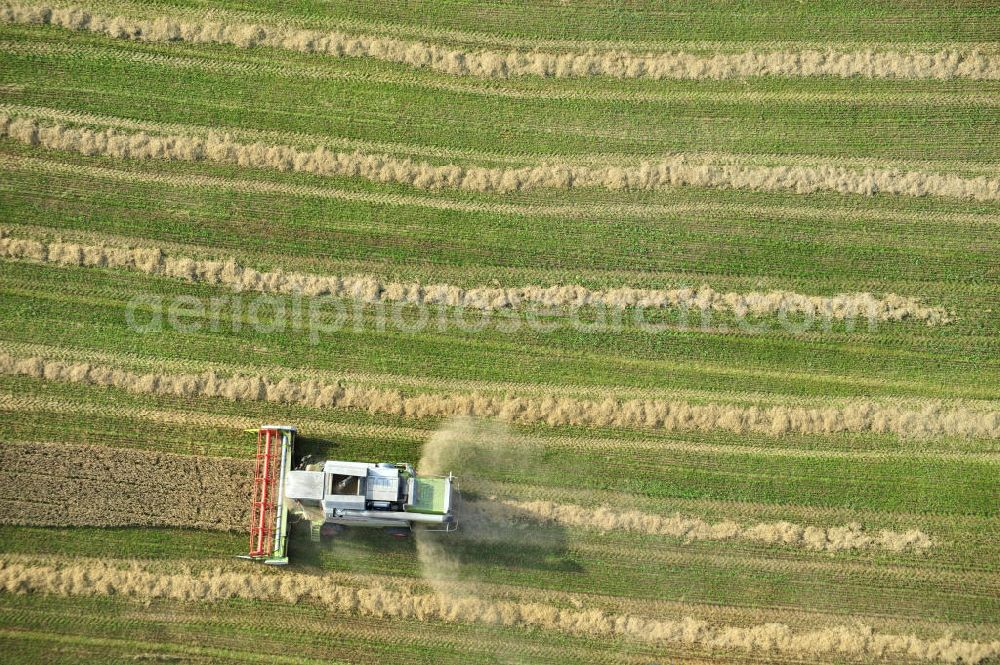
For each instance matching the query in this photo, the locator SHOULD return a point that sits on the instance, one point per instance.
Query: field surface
(698, 300)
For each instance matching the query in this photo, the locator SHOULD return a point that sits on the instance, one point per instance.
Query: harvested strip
(829, 539)
(932, 420)
(942, 65)
(679, 170)
(371, 289)
(132, 580)
(93, 486)
(69, 485)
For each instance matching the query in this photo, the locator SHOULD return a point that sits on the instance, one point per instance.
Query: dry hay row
(249, 133)
(594, 392)
(798, 618)
(828, 539)
(25, 405)
(100, 578)
(55, 115)
(677, 171)
(942, 65)
(70, 485)
(20, 404)
(632, 446)
(932, 420)
(427, 33)
(943, 99)
(264, 187)
(575, 211)
(370, 289)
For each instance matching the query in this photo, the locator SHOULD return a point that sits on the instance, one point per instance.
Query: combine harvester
(331, 495)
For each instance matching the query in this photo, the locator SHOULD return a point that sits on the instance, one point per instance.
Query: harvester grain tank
(334, 494)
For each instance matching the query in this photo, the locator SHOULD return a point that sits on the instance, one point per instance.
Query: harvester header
(268, 511)
(334, 494)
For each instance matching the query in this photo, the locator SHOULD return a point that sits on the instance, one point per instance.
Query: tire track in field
(942, 65)
(70, 485)
(370, 289)
(346, 630)
(911, 574)
(932, 420)
(133, 581)
(678, 171)
(249, 66)
(310, 427)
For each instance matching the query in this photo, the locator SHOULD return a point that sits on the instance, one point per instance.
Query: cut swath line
(371, 289)
(945, 64)
(678, 171)
(932, 420)
(133, 580)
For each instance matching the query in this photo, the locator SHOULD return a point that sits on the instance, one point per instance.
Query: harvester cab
(331, 495)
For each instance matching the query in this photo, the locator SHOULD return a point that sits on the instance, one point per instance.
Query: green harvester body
(332, 495)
